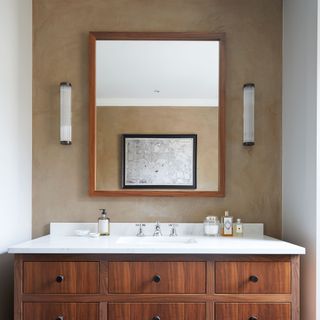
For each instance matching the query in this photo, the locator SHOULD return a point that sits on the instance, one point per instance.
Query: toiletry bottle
(227, 225)
(238, 229)
(103, 224)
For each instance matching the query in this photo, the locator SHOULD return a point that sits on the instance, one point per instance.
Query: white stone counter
(123, 241)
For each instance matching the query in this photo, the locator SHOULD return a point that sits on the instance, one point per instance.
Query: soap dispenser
(103, 224)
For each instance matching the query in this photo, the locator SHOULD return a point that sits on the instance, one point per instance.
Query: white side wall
(16, 140)
(299, 140)
(318, 167)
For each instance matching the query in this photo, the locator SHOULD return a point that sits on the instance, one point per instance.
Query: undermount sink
(156, 240)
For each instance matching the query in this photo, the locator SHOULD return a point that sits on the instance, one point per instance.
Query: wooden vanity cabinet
(156, 287)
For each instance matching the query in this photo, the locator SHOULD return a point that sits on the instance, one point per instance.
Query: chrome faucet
(157, 230)
(140, 231)
(173, 232)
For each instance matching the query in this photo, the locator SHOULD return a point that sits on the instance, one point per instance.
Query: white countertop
(59, 243)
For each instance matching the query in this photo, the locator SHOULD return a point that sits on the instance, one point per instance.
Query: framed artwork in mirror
(159, 161)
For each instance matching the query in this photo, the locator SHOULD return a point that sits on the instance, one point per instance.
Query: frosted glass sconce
(65, 113)
(248, 114)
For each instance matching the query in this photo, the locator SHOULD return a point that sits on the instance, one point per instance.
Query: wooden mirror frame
(93, 37)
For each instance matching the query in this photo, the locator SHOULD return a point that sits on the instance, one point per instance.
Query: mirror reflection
(157, 73)
(156, 87)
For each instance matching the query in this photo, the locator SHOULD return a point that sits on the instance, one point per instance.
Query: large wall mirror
(156, 120)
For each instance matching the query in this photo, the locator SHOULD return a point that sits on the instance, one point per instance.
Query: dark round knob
(59, 279)
(59, 318)
(156, 318)
(253, 279)
(156, 279)
(252, 318)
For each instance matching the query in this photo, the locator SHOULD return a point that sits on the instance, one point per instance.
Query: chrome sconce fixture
(248, 114)
(65, 113)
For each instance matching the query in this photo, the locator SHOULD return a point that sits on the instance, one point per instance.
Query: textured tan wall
(253, 54)
(112, 122)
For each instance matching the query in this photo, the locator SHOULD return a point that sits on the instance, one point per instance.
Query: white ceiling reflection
(157, 73)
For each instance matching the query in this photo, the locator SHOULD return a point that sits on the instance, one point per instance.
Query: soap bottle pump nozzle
(103, 211)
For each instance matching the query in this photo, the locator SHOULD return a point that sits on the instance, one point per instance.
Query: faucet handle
(173, 232)
(157, 230)
(140, 231)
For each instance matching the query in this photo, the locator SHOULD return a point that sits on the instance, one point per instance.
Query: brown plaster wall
(112, 122)
(253, 54)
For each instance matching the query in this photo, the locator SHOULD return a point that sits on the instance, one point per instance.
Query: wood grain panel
(78, 277)
(176, 277)
(18, 285)
(103, 277)
(156, 257)
(234, 277)
(210, 277)
(168, 311)
(87, 311)
(103, 310)
(49, 311)
(159, 297)
(69, 311)
(295, 265)
(259, 311)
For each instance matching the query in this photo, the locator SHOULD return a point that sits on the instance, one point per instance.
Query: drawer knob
(252, 318)
(59, 318)
(253, 279)
(156, 318)
(156, 279)
(59, 279)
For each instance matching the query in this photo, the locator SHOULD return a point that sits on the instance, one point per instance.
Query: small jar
(211, 226)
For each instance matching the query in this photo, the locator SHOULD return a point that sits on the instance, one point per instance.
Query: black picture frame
(161, 137)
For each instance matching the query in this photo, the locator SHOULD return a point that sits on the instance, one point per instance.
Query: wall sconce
(248, 114)
(65, 113)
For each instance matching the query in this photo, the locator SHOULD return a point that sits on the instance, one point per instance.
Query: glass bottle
(211, 226)
(238, 228)
(103, 224)
(227, 222)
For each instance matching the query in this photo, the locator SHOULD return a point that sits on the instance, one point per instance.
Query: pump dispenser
(103, 223)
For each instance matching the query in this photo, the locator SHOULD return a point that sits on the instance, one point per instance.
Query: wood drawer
(252, 311)
(252, 277)
(66, 311)
(150, 311)
(61, 277)
(157, 277)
